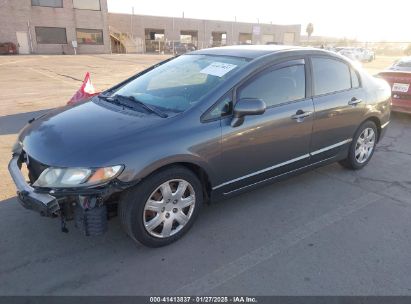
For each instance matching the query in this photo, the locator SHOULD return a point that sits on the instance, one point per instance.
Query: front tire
(362, 147)
(163, 207)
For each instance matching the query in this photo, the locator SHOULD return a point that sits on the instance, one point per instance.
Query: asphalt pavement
(330, 231)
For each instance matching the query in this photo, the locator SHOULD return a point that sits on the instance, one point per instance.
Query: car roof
(247, 51)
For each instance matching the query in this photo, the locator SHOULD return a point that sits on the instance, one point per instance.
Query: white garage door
(268, 38)
(23, 41)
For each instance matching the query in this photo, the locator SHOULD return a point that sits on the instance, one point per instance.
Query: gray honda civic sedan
(194, 129)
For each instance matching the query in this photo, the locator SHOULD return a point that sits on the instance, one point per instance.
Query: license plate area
(400, 87)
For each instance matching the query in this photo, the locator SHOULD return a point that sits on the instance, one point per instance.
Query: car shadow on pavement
(11, 124)
(401, 117)
(44, 229)
(208, 227)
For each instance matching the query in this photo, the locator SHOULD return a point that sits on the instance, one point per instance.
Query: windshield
(180, 83)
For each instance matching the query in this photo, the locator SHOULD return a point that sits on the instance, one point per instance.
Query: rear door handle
(354, 101)
(300, 115)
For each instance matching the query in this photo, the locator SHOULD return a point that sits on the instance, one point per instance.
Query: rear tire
(362, 147)
(163, 207)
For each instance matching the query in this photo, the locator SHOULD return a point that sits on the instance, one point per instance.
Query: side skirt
(221, 194)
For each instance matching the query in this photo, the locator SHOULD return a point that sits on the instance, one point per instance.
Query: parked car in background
(367, 55)
(399, 77)
(191, 47)
(356, 54)
(8, 48)
(180, 48)
(198, 128)
(348, 52)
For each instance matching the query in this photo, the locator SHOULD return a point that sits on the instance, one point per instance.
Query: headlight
(76, 177)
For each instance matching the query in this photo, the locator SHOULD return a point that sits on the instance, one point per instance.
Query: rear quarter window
(355, 81)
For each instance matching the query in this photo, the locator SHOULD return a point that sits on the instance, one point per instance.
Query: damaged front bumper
(43, 203)
(51, 202)
(90, 207)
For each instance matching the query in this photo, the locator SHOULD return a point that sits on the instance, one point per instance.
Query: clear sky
(365, 20)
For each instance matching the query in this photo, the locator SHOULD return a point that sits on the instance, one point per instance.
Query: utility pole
(30, 37)
(174, 51)
(131, 22)
(232, 33)
(232, 30)
(205, 34)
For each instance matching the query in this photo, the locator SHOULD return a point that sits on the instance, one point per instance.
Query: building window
(51, 35)
(86, 36)
(93, 5)
(48, 3)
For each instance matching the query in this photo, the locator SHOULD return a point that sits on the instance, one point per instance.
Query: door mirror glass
(247, 106)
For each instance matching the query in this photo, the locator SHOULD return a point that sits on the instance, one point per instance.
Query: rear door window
(330, 76)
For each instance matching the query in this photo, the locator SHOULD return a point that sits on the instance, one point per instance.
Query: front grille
(35, 168)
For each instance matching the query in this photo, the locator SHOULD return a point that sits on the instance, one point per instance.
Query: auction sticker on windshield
(218, 69)
(400, 87)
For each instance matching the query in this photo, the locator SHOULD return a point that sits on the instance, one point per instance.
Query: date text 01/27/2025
(203, 299)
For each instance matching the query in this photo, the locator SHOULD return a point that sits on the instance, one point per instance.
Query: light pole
(232, 30)
(131, 22)
(174, 51)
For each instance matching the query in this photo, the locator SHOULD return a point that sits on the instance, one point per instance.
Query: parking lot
(328, 232)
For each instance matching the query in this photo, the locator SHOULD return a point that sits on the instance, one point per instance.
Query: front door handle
(354, 101)
(300, 115)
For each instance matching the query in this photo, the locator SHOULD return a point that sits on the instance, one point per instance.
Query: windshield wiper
(126, 103)
(146, 106)
(112, 99)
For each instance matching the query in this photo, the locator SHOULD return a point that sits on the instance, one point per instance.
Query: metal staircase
(125, 43)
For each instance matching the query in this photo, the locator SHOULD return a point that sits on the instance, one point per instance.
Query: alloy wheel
(169, 208)
(365, 145)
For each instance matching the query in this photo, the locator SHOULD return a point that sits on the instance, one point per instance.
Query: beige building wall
(21, 16)
(136, 24)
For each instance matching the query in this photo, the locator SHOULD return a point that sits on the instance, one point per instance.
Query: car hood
(90, 134)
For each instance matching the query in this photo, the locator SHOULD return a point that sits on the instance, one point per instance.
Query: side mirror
(247, 106)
